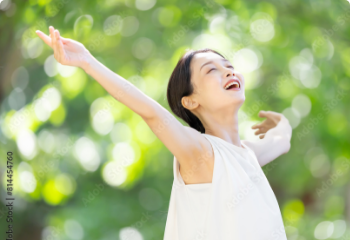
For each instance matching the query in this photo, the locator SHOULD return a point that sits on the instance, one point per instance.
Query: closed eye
(211, 69)
(215, 68)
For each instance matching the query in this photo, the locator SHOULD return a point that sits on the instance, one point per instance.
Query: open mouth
(233, 85)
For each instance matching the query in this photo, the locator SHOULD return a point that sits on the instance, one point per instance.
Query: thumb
(65, 40)
(262, 113)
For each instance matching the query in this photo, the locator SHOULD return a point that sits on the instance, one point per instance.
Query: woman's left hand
(272, 119)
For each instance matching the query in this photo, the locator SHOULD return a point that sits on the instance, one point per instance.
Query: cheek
(214, 90)
(241, 78)
(209, 95)
(209, 88)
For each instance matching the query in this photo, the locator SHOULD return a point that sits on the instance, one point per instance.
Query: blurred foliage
(86, 167)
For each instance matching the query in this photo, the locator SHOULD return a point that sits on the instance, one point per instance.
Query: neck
(223, 125)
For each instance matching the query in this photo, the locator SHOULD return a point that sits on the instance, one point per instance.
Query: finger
(51, 29)
(64, 40)
(263, 114)
(258, 125)
(52, 37)
(260, 130)
(60, 45)
(57, 51)
(44, 37)
(57, 39)
(270, 114)
(262, 136)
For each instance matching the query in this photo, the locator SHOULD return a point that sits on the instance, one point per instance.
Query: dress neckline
(245, 148)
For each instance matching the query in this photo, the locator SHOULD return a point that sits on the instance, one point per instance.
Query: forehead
(200, 58)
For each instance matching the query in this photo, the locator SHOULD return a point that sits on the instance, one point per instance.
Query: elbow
(286, 145)
(287, 135)
(149, 113)
(147, 116)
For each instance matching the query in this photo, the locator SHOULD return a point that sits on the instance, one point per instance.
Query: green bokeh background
(143, 43)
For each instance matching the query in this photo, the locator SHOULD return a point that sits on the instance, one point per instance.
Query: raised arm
(274, 141)
(184, 143)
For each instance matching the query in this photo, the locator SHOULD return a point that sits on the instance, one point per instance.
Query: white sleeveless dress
(239, 204)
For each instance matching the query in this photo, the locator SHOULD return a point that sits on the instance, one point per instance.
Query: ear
(189, 103)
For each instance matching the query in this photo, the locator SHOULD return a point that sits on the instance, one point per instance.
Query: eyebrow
(224, 60)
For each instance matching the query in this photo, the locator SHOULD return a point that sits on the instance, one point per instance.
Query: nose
(229, 72)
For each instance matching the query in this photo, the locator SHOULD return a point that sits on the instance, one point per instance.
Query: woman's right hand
(66, 51)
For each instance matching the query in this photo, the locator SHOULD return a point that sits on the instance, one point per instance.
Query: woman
(219, 191)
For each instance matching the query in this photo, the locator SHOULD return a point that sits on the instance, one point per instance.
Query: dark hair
(180, 85)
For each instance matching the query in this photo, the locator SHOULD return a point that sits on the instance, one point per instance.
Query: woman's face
(210, 75)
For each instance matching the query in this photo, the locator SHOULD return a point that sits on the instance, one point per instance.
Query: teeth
(232, 83)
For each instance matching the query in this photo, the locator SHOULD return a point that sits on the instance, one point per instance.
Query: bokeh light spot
(324, 230)
(73, 229)
(51, 194)
(86, 153)
(114, 173)
(130, 233)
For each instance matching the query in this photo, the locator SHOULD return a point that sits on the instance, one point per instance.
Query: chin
(239, 97)
(239, 101)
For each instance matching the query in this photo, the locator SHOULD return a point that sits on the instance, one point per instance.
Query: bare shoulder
(198, 136)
